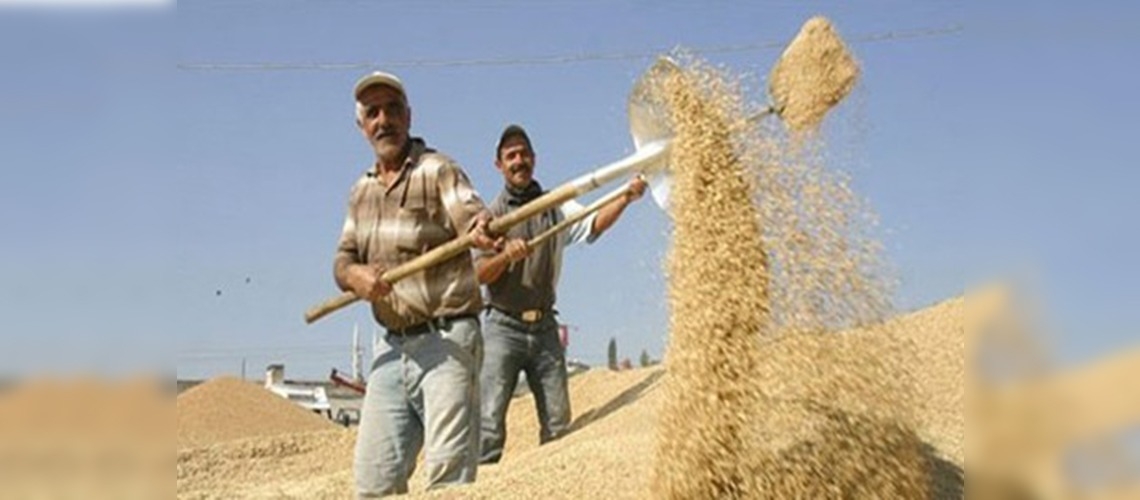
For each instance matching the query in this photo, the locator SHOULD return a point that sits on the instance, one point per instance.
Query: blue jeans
(513, 346)
(421, 386)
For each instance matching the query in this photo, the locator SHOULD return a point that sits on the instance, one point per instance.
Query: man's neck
(387, 166)
(529, 192)
(516, 189)
(393, 165)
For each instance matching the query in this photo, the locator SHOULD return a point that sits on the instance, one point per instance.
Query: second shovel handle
(501, 258)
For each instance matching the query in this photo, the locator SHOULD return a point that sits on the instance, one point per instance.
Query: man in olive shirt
(521, 331)
(423, 387)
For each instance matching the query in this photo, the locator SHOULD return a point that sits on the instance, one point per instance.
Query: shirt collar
(416, 149)
(516, 197)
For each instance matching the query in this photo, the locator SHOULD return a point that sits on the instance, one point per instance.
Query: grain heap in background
(815, 72)
(227, 408)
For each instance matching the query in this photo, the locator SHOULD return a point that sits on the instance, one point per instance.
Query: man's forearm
(342, 271)
(608, 215)
(489, 269)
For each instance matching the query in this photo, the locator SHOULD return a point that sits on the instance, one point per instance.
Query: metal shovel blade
(649, 123)
(660, 183)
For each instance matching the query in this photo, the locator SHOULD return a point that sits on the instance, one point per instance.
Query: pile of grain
(815, 72)
(226, 408)
(938, 362)
(610, 447)
(613, 456)
(610, 454)
(307, 465)
(835, 454)
(86, 438)
(593, 395)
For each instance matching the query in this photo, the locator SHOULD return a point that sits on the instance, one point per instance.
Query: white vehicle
(314, 399)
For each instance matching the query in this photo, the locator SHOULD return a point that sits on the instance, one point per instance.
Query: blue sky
(132, 188)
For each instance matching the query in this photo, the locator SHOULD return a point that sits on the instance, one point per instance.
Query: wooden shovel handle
(431, 258)
(324, 308)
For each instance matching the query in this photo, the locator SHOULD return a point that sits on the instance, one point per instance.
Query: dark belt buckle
(531, 315)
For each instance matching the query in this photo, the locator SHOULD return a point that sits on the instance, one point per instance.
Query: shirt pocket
(420, 229)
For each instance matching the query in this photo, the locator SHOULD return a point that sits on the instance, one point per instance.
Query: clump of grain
(815, 72)
(227, 408)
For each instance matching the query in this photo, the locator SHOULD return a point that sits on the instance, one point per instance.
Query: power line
(232, 352)
(549, 59)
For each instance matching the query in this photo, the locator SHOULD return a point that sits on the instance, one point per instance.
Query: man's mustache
(383, 133)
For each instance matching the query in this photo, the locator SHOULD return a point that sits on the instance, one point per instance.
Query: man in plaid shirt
(423, 386)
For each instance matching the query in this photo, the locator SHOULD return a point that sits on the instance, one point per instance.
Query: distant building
(312, 398)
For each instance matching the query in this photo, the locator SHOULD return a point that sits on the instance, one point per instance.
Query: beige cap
(378, 78)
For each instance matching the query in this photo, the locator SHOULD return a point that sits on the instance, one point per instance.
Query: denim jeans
(534, 348)
(421, 386)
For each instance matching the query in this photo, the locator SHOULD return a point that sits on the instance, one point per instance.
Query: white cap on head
(378, 78)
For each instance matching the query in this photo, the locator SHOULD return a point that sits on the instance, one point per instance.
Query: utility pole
(375, 341)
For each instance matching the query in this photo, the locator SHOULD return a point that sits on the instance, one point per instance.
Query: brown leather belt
(432, 324)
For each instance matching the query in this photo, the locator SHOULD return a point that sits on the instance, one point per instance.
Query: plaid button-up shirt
(430, 203)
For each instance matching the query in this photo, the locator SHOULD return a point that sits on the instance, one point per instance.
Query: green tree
(612, 357)
(645, 361)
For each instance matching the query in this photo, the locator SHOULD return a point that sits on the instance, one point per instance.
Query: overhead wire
(884, 36)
